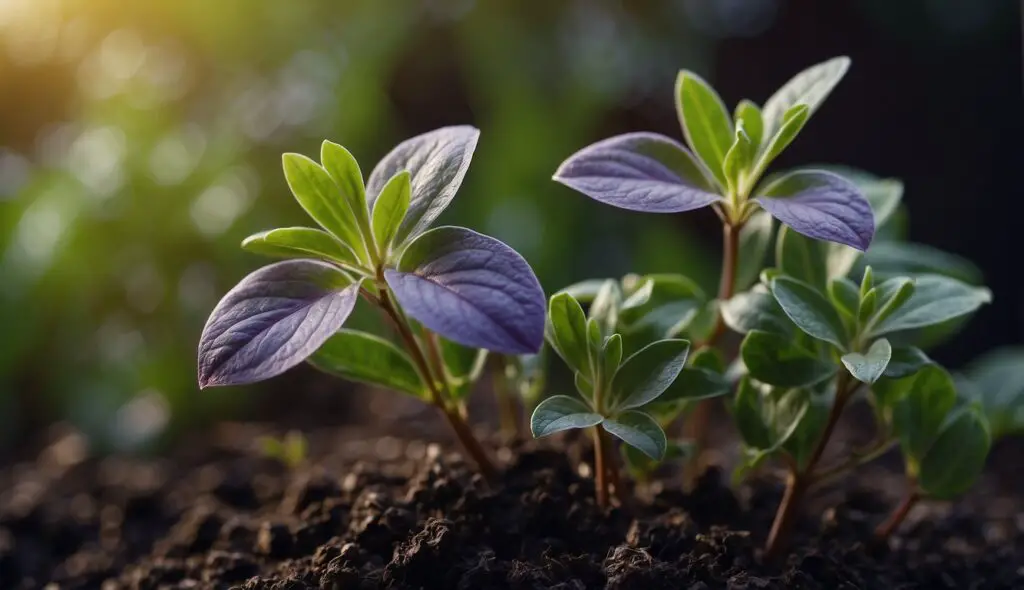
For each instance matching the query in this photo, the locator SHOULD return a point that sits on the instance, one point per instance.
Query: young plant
(725, 169)
(446, 291)
(291, 449)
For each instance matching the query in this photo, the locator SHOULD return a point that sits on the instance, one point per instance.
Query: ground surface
(383, 513)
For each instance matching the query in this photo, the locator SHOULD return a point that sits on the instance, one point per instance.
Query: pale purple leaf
(273, 320)
(821, 205)
(640, 172)
(437, 162)
(471, 289)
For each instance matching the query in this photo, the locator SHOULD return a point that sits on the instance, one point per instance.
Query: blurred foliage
(141, 141)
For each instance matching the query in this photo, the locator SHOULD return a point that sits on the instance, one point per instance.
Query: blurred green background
(141, 141)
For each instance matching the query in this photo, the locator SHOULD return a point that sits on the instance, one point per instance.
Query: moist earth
(381, 512)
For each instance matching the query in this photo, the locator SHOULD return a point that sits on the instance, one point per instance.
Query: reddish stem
(899, 514)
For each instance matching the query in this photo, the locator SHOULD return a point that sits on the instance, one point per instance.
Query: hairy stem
(452, 415)
(899, 514)
(799, 480)
(700, 417)
(600, 473)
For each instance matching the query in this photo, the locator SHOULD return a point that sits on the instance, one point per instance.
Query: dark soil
(385, 513)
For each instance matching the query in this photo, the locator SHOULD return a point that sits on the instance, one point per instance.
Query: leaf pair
(469, 288)
(653, 173)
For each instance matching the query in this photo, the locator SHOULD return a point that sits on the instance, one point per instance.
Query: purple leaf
(437, 162)
(821, 205)
(272, 320)
(471, 289)
(640, 172)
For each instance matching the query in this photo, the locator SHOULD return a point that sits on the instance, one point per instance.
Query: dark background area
(141, 142)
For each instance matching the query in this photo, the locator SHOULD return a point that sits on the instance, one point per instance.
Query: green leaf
(756, 310)
(867, 282)
(611, 356)
(803, 413)
(389, 209)
(910, 259)
(811, 312)
(996, 380)
(343, 169)
(749, 416)
(919, 414)
(936, 299)
(674, 302)
(567, 332)
(957, 457)
(739, 158)
(366, 358)
(583, 291)
(809, 88)
(694, 383)
(755, 236)
(905, 361)
(750, 114)
(640, 295)
(709, 359)
(321, 198)
(793, 122)
(801, 257)
(639, 430)
(463, 366)
(299, 242)
(595, 342)
(888, 297)
(867, 307)
(561, 412)
(706, 123)
(584, 387)
(844, 295)
(605, 308)
(648, 373)
(868, 368)
(779, 361)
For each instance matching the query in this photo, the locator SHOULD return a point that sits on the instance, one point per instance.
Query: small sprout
(437, 287)
(291, 450)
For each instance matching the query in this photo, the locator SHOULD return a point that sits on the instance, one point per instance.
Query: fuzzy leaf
(706, 122)
(389, 209)
(299, 242)
(919, 414)
(809, 310)
(471, 289)
(561, 412)
(639, 430)
(844, 295)
(776, 360)
(640, 172)
(810, 87)
(821, 205)
(568, 334)
(936, 299)
(320, 196)
(756, 309)
(648, 373)
(366, 358)
(437, 162)
(868, 368)
(273, 320)
(957, 457)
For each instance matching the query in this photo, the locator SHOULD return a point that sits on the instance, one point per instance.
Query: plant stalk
(899, 514)
(799, 480)
(600, 472)
(508, 410)
(455, 419)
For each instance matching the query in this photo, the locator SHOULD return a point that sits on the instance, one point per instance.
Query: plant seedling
(291, 449)
(447, 291)
(829, 323)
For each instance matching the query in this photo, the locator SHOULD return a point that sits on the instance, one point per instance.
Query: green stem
(600, 474)
(454, 418)
(825, 477)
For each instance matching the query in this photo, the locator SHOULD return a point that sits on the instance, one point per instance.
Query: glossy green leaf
(318, 194)
(750, 114)
(936, 299)
(706, 123)
(756, 310)
(343, 169)
(957, 457)
(567, 332)
(648, 373)
(792, 123)
(299, 242)
(389, 209)
(888, 297)
(809, 310)
(755, 237)
(809, 88)
(905, 361)
(777, 360)
(919, 414)
(561, 412)
(639, 430)
(362, 357)
(870, 366)
(868, 306)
